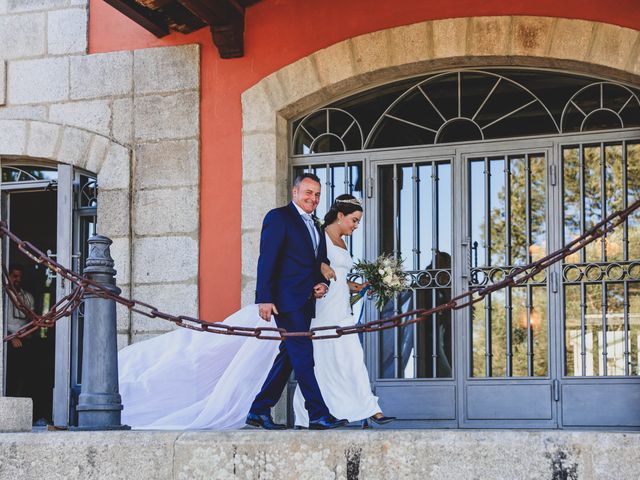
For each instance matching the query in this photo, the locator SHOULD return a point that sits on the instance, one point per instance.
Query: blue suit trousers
(296, 353)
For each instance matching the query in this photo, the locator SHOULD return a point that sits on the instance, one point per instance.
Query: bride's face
(349, 223)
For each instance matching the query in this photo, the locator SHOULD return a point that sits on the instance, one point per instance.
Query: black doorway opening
(30, 369)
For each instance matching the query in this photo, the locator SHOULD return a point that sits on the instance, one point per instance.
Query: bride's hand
(357, 287)
(327, 272)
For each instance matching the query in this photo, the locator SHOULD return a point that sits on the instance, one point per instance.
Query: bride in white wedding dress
(187, 380)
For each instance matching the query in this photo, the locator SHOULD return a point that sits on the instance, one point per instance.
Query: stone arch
(580, 46)
(100, 155)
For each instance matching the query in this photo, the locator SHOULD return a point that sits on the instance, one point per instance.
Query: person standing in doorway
(19, 349)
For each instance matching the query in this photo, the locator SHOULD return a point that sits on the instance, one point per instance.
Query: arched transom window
(466, 106)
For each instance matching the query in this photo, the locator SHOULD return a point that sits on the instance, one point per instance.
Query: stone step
(16, 414)
(338, 454)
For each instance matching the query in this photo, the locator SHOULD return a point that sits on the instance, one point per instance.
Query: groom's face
(307, 195)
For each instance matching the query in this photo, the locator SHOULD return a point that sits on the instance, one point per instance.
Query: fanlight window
(28, 173)
(467, 105)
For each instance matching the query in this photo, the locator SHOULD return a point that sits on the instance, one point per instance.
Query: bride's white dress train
(189, 380)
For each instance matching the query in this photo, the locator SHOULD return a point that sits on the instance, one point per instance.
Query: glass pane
(339, 185)
(477, 208)
(443, 212)
(386, 208)
(518, 210)
(538, 214)
(633, 193)
(573, 333)
(614, 200)
(302, 143)
(593, 335)
(519, 336)
(498, 335)
(405, 215)
(497, 212)
(425, 215)
(387, 353)
(478, 340)
(539, 333)
(592, 199)
(405, 336)
(356, 243)
(87, 193)
(444, 336)
(423, 350)
(328, 143)
(27, 173)
(325, 198)
(572, 198)
(634, 328)
(615, 329)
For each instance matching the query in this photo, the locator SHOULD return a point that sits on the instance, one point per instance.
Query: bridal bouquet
(385, 276)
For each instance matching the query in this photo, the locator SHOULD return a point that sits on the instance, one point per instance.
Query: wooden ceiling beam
(148, 19)
(215, 12)
(226, 18)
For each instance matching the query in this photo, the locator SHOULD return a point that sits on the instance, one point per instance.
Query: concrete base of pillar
(16, 414)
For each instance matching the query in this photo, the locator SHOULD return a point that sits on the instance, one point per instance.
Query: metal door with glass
(600, 287)
(411, 217)
(507, 336)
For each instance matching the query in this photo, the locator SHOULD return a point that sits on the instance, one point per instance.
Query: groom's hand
(266, 310)
(320, 290)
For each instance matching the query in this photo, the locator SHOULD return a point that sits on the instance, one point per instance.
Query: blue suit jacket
(287, 267)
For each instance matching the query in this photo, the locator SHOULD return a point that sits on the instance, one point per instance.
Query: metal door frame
(61, 393)
(464, 156)
(577, 380)
(445, 386)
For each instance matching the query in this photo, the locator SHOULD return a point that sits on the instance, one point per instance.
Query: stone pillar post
(100, 405)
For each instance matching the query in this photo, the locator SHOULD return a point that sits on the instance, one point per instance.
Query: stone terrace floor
(338, 454)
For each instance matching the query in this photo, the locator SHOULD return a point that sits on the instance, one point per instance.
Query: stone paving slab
(340, 454)
(16, 414)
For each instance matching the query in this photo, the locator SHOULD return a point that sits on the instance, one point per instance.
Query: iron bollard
(100, 405)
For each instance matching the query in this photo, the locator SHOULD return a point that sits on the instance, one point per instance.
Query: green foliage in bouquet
(385, 276)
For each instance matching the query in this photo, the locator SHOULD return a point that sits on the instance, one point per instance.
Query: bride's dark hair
(345, 204)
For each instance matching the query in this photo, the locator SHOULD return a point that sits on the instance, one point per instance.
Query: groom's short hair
(302, 176)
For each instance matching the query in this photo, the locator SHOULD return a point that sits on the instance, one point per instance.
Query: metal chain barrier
(83, 285)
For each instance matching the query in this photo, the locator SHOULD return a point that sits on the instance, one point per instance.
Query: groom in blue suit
(292, 249)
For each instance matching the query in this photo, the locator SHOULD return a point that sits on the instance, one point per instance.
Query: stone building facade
(131, 119)
(190, 151)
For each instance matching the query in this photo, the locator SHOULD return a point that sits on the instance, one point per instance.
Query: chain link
(84, 285)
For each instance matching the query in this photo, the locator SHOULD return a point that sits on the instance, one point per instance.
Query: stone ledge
(16, 415)
(424, 454)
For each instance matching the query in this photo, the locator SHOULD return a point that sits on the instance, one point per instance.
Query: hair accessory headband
(352, 201)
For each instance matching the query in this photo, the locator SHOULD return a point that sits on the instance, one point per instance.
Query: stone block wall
(132, 118)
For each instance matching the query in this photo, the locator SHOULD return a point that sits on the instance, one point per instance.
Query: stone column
(100, 405)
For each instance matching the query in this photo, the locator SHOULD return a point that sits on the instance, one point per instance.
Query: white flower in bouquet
(385, 277)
